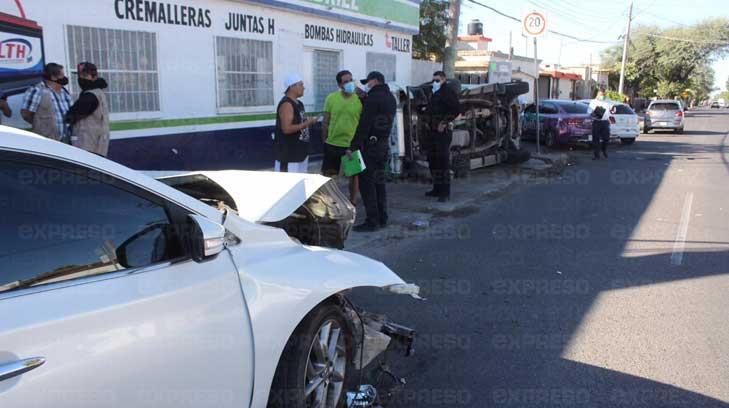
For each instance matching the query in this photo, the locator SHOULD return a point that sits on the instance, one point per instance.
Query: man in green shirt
(341, 118)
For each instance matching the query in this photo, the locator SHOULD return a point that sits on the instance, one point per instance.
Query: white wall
(187, 70)
(422, 71)
(565, 88)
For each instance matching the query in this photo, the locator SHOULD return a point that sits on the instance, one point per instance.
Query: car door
(530, 117)
(123, 318)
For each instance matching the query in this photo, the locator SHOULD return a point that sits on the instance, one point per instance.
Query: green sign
(392, 10)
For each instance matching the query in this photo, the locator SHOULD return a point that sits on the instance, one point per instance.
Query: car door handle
(20, 367)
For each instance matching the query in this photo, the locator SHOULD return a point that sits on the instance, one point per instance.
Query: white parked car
(118, 291)
(624, 122)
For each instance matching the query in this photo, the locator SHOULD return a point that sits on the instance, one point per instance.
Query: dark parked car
(561, 122)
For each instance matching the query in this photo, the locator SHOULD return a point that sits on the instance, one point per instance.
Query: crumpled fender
(283, 281)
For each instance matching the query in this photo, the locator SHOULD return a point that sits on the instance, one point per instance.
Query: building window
(126, 59)
(245, 72)
(385, 63)
(326, 67)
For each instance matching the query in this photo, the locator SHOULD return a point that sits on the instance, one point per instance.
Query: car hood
(257, 196)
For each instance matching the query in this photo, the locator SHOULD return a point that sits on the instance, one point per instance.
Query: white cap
(292, 79)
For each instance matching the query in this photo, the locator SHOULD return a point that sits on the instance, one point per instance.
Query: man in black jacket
(373, 140)
(443, 108)
(600, 133)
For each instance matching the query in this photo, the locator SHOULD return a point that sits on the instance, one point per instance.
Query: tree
(660, 65)
(430, 42)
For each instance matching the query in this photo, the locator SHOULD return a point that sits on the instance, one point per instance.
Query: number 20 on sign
(534, 24)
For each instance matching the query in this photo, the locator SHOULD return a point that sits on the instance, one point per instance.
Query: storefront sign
(338, 35)
(20, 54)
(247, 23)
(397, 44)
(162, 13)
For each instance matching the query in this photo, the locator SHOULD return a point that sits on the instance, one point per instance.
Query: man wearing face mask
(342, 110)
(89, 116)
(373, 140)
(46, 104)
(443, 108)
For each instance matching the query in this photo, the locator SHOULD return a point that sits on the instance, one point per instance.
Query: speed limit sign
(534, 24)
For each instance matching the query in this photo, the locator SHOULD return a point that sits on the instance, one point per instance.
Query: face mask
(61, 81)
(367, 88)
(87, 84)
(436, 87)
(349, 87)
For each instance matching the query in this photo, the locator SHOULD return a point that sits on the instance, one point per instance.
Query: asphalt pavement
(605, 286)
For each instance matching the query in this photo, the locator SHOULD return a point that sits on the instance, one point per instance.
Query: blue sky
(591, 19)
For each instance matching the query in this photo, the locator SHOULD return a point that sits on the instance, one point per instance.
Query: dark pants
(440, 163)
(372, 183)
(598, 145)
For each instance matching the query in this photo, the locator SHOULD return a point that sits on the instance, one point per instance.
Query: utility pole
(450, 55)
(625, 49)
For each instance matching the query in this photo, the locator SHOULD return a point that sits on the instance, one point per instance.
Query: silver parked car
(664, 114)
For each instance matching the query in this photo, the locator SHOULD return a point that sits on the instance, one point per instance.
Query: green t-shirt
(343, 118)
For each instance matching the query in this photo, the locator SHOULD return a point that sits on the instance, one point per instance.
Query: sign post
(534, 24)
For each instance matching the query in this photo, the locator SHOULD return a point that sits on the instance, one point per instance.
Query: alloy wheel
(326, 367)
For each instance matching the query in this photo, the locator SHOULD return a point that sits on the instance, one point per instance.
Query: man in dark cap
(89, 115)
(373, 140)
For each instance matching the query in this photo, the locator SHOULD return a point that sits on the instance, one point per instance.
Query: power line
(572, 37)
(686, 39)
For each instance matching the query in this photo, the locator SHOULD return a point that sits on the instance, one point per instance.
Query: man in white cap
(292, 137)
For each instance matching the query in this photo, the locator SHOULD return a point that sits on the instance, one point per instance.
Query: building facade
(475, 58)
(195, 84)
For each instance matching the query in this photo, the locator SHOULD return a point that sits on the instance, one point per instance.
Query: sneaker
(366, 227)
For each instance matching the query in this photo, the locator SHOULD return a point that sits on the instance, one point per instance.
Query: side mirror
(207, 238)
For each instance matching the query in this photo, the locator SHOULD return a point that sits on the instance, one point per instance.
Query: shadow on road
(507, 300)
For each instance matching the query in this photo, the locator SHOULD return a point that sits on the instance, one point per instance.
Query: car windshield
(573, 107)
(664, 106)
(621, 110)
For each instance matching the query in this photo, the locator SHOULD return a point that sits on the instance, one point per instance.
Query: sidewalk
(413, 214)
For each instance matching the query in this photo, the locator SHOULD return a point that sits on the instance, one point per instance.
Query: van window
(621, 110)
(573, 107)
(664, 106)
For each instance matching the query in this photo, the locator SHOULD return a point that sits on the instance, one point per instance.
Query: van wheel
(315, 366)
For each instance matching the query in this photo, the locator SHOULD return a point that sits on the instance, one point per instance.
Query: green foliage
(614, 96)
(662, 67)
(430, 42)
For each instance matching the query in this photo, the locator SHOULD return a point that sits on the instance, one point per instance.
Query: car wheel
(627, 141)
(549, 139)
(316, 363)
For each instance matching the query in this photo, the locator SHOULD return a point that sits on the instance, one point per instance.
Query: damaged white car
(117, 290)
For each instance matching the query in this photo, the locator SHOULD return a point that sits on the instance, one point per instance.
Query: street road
(605, 287)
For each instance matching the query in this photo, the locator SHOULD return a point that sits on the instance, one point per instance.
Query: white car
(118, 291)
(624, 122)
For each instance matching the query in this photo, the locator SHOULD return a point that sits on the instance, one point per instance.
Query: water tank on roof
(475, 27)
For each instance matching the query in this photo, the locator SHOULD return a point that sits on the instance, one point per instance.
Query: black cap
(87, 68)
(374, 75)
